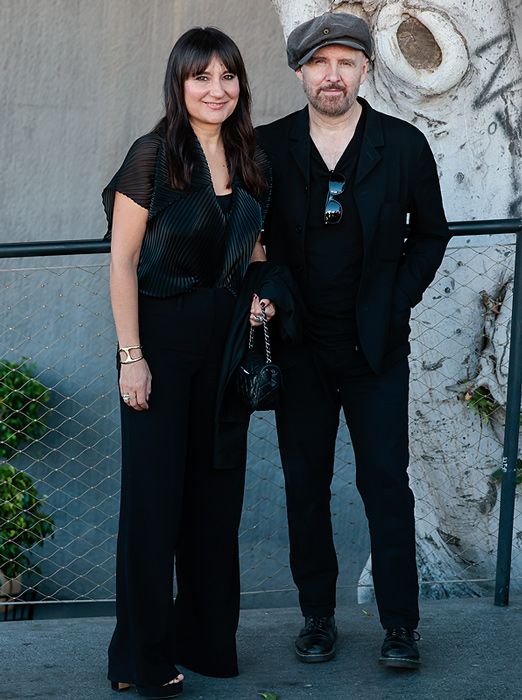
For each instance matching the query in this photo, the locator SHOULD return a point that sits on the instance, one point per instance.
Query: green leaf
(268, 695)
(23, 523)
(22, 405)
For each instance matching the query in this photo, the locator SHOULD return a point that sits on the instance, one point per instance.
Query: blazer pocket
(392, 231)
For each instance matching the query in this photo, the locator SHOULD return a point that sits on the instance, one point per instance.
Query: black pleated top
(190, 240)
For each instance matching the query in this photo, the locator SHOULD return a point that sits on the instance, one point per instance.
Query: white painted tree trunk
(453, 68)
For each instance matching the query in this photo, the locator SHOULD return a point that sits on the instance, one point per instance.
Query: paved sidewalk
(471, 650)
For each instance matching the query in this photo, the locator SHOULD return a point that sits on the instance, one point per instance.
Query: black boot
(399, 649)
(316, 641)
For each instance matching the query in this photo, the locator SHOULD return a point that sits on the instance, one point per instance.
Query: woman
(185, 212)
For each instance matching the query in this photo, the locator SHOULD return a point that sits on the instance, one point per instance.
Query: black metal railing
(512, 422)
(100, 245)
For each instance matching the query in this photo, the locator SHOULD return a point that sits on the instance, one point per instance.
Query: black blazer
(396, 176)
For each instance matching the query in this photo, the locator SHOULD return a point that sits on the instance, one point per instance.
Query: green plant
(22, 522)
(482, 401)
(22, 398)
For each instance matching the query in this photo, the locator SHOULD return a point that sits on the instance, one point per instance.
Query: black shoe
(316, 641)
(399, 649)
(171, 690)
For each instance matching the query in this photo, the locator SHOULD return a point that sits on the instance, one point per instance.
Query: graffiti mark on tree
(512, 130)
(491, 90)
(513, 133)
(509, 123)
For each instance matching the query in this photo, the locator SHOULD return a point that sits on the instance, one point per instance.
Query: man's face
(332, 78)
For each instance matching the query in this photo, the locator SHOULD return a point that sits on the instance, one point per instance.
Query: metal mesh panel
(459, 369)
(59, 318)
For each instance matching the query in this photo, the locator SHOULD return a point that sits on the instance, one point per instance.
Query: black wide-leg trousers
(176, 509)
(317, 383)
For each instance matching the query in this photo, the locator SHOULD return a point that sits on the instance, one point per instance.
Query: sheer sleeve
(135, 178)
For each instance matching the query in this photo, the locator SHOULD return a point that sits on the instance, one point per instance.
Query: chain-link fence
(59, 440)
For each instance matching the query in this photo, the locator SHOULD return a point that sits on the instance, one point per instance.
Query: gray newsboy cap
(329, 28)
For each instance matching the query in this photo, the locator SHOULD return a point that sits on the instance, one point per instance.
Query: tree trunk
(453, 68)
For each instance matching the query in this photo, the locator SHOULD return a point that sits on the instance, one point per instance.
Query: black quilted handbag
(258, 379)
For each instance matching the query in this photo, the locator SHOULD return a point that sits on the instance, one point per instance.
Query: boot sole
(314, 658)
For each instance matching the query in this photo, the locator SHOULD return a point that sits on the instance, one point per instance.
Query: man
(346, 179)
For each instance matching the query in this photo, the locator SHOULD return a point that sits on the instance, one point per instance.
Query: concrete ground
(471, 650)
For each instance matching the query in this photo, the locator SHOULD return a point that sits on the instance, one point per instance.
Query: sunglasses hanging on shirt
(333, 210)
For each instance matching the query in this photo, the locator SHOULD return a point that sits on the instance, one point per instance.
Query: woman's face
(211, 96)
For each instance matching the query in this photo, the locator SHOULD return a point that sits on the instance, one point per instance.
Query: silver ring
(258, 318)
(125, 397)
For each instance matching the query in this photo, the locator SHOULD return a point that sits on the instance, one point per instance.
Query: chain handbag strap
(268, 351)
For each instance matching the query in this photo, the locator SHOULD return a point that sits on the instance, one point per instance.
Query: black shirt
(225, 202)
(333, 251)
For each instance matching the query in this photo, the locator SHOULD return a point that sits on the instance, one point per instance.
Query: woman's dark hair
(190, 56)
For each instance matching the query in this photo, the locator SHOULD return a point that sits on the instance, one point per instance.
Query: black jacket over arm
(272, 282)
(396, 176)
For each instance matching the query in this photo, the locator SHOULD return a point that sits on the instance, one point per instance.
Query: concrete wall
(83, 78)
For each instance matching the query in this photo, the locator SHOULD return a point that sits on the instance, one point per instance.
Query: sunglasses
(333, 211)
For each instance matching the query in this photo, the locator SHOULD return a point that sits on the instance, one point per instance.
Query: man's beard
(331, 105)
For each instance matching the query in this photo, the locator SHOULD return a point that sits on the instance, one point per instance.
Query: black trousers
(318, 382)
(175, 508)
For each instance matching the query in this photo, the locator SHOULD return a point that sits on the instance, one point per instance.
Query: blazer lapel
(373, 142)
(366, 193)
(300, 143)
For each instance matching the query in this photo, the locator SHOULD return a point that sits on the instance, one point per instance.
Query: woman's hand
(135, 382)
(256, 310)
